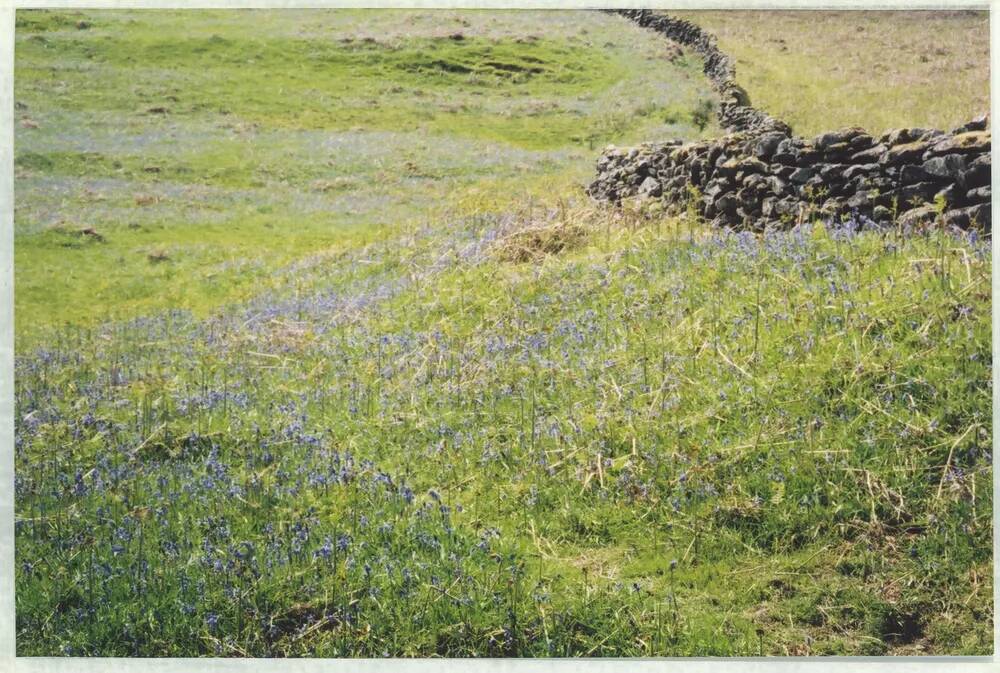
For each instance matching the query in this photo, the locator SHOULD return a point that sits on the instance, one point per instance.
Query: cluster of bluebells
(347, 464)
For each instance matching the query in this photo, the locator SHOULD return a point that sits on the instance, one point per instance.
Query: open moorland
(323, 351)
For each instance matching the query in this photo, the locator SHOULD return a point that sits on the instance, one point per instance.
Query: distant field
(822, 70)
(203, 151)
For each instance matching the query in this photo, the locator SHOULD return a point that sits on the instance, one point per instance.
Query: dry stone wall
(761, 175)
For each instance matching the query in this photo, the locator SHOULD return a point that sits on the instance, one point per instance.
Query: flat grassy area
(381, 390)
(822, 70)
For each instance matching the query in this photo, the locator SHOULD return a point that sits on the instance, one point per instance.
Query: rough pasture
(377, 392)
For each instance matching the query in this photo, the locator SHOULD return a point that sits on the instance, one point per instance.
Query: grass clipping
(529, 240)
(530, 237)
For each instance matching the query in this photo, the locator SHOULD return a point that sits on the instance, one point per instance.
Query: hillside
(350, 366)
(205, 156)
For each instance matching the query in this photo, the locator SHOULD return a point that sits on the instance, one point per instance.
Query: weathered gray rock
(870, 155)
(978, 172)
(979, 194)
(910, 174)
(973, 142)
(760, 175)
(802, 175)
(726, 203)
(650, 187)
(833, 172)
(859, 200)
(767, 145)
(969, 217)
(978, 124)
(901, 136)
(881, 214)
(981, 216)
(916, 217)
(921, 192)
(953, 195)
(944, 166)
(906, 153)
(824, 141)
(859, 170)
(776, 185)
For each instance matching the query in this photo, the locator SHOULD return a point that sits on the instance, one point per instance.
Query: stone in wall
(760, 175)
(750, 181)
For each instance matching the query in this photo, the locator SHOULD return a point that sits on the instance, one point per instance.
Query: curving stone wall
(735, 111)
(760, 175)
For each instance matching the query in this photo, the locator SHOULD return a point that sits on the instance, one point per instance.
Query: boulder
(952, 196)
(752, 165)
(906, 153)
(972, 142)
(915, 217)
(825, 141)
(870, 155)
(949, 166)
(783, 172)
(788, 152)
(726, 204)
(755, 182)
(767, 145)
(979, 194)
(802, 175)
(787, 206)
(650, 187)
(859, 200)
(978, 172)
(833, 206)
(966, 218)
(980, 123)
(859, 169)
(920, 192)
(776, 185)
(901, 136)
(832, 172)
(843, 151)
(932, 136)
(980, 215)
(910, 174)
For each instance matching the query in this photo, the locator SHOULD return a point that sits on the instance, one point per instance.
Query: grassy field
(333, 380)
(822, 70)
(202, 153)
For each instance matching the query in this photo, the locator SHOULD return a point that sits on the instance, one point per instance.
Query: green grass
(193, 134)
(823, 70)
(780, 417)
(428, 85)
(398, 390)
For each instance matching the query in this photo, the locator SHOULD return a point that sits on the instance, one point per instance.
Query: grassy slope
(878, 70)
(201, 140)
(419, 446)
(801, 423)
